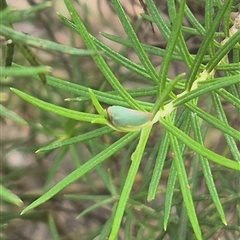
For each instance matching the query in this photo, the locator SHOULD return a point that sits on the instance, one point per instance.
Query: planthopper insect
(126, 119)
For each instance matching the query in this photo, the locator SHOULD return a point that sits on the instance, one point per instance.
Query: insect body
(126, 119)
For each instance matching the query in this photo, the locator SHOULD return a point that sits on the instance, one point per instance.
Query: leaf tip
(23, 211)
(224, 222)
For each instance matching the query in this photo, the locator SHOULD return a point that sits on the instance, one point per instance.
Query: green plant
(178, 112)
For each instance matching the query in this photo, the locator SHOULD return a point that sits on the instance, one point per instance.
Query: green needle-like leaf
(85, 168)
(82, 31)
(199, 148)
(10, 197)
(186, 191)
(80, 116)
(136, 160)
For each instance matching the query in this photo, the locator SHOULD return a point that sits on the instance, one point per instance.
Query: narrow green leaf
(11, 15)
(222, 117)
(25, 71)
(94, 207)
(80, 116)
(43, 44)
(181, 47)
(206, 87)
(205, 44)
(101, 111)
(182, 120)
(158, 19)
(169, 195)
(171, 46)
(235, 101)
(227, 47)
(186, 192)
(207, 170)
(166, 92)
(110, 98)
(10, 197)
(81, 171)
(54, 168)
(11, 115)
(53, 228)
(191, 16)
(107, 226)
(228, 67)
(157, 172)
(77, 139)
(113, 81)
(31, 57)
(134, 39)
(123, 61)
(195, 146)
(208, 22)
(156, 51)
(214, 121)
(136, 160)
(9, 53)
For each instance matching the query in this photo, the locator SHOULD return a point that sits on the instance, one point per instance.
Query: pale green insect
(128, 119)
